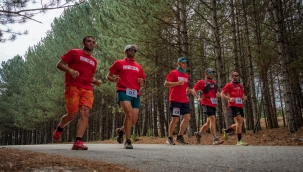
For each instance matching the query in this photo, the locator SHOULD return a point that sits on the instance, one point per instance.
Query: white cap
(129, 46)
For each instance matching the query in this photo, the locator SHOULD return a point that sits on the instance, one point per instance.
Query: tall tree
(21, 11)
(278, 15)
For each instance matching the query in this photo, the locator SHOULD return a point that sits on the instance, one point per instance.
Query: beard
(236, 81)
(88, 49)
(130, 56)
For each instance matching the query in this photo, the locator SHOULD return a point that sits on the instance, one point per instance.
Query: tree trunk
(250, 116)
(278, 13)
(218, 57)
(184, 46)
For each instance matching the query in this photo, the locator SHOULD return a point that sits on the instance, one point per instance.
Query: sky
(36, 30)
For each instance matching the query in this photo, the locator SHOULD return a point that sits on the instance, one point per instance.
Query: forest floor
(21, 160)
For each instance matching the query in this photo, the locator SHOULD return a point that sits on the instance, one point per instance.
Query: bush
(134, 137)
(150, 133)
(114, 138)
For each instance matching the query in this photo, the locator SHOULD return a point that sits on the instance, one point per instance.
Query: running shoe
(170, 141)
(217, 142)
(181, 140)
(56, 135)
(241, 143)
(128, 144)
(225, 135)
(198, 137)
(120, 135)
(78, 145)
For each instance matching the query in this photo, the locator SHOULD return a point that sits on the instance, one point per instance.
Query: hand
(199, 100)
(244, 97)
(115, 78)
(218, 94)
(141, 81)
(190, 91)
(97, 82)
(180, 82)
(74, 73)
(231, 99)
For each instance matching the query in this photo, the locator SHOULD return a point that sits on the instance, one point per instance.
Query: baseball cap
(209, 70)
(129, 46)
(182, 59)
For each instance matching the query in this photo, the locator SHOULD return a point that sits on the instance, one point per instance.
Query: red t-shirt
(208, 99)
(234, 91)
(178, 93)
(85, 64)
(129, 71)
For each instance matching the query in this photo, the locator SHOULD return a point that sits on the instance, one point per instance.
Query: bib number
(213, 100)
(131, 92)
(176, 111)
(238, 100)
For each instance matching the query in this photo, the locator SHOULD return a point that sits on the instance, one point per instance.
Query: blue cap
(182, 59)
(209, 70)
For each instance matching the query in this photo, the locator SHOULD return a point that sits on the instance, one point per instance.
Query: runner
(209, 89)
(79, 67)
(128, 76)
(234, 93)
(177, 80)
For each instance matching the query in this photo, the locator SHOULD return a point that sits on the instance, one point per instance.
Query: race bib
(213, 100)
(176, 112)
(131, 92)
(238, 100)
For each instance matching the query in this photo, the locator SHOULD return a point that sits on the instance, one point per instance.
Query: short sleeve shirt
(178, 93)
(236, 91)
(129, 72)
(208, 99)
(85, 64)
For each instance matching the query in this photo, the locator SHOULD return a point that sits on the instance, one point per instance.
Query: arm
(224, 96)
(218, 94)
(96, 81)
(112, 78)
(62, 65)
(173, 84)
(142, 77)
(194, 93)
(244, 97)
(141, 81)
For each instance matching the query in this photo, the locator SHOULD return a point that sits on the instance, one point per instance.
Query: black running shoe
(180, 139)
(128, 144)
(119, 135)
(170, 141)
(198, 137)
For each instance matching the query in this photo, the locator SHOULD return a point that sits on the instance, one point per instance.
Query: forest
(261, 39)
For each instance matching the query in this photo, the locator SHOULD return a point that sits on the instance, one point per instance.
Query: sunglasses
(236, 75)
(211, 73)
(132, 50)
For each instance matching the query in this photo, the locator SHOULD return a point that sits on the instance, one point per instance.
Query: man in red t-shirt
(234, 93)
(128, 76)
(177, 81)
(210, 93)
(79, 67)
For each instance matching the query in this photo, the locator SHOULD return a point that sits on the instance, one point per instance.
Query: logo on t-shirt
(182, 79)
(87, 60)
(130, 67)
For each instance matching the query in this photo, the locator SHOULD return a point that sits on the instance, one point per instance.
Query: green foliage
(114, 138)
(149, 133)
(134, 137)
(31, 87)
